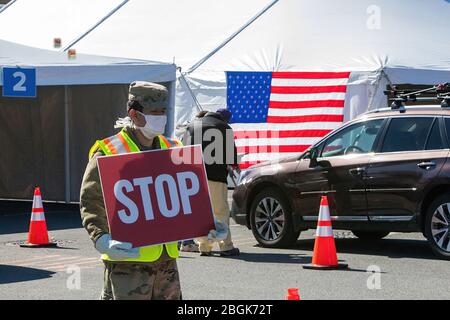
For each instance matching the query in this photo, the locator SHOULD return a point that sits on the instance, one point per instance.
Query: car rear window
(407, 134)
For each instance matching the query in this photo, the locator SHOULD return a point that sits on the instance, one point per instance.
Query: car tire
(370, 235)
(271, 220)
(439, 241)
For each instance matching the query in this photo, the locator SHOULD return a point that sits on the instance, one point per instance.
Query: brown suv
(386, 171)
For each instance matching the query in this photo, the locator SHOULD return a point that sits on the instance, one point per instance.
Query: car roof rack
(441, 92)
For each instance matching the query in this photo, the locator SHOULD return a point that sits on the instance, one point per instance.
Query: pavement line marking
(69, 262)
(31, 259)
(43, 263)
(65, 266)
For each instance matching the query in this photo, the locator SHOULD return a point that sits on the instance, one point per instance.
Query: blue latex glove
(116, 250)
(219, 234)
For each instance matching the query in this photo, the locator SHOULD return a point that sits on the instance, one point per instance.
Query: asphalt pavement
(405, 267)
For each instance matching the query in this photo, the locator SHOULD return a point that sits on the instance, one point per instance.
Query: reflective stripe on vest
(169, 143)
(122, 143)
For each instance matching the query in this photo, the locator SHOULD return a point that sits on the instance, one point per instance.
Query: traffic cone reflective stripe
(324, 232)
(325, 256)
(38, 234)
(37, 212)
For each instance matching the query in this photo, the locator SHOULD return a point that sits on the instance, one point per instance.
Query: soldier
(131, 273)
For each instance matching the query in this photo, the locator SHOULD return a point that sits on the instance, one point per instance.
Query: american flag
(279, 114)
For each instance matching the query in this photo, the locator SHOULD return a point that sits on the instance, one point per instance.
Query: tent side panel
(93, 112)
(31, 144)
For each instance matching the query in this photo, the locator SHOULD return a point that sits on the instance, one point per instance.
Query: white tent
(56, 68)
(38, 23)
(179, 31)
(172, 30)
(48, 137)
(380, 41)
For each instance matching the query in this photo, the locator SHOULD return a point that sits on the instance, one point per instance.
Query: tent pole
(223, 44)
(66, 145)
(170, 129)
(197, 104)
(75, 41)
(7, 6)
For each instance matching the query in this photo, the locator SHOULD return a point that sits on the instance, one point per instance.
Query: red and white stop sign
(156, 196)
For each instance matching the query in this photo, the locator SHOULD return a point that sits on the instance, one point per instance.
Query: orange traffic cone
(38, 235)
(292, 294)
(325, 256)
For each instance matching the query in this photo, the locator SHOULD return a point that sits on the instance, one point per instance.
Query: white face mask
(154, 125)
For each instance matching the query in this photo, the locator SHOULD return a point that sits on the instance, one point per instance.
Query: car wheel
(271, 220)
(437, 224)
(370, 235)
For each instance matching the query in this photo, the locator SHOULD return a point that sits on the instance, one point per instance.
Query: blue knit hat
(225, 114)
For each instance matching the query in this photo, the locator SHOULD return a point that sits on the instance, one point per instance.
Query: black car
(385, 171)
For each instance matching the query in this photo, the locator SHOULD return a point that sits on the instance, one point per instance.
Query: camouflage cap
(149, 95)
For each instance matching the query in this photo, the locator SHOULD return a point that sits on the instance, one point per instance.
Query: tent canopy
(55, 68)
(346, 35)
(172, 30)
(349, 35)
(38, 23)
(380, 41)
(180, 31)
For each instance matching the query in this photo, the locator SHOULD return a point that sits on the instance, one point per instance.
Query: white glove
(217, 235)
(116, 250)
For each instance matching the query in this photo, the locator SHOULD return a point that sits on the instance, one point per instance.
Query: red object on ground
(292, 294)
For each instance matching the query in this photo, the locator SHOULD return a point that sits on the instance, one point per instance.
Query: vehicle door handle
(357, 171)
(426, 165)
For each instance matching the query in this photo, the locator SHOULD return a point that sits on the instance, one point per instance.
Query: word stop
(180, 189)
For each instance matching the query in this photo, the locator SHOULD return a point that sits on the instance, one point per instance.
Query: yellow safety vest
(122, 143)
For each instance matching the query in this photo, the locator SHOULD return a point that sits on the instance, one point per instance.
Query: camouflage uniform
(126, 280)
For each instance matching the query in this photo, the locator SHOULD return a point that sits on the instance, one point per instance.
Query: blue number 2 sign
(19, 82)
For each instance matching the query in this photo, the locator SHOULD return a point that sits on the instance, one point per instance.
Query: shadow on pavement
(282, 258)
(272, 258)
(14, 274)
(392, 248)
(61, 246)
(15, 217)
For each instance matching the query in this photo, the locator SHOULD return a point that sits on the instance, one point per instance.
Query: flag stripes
(279, 114)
